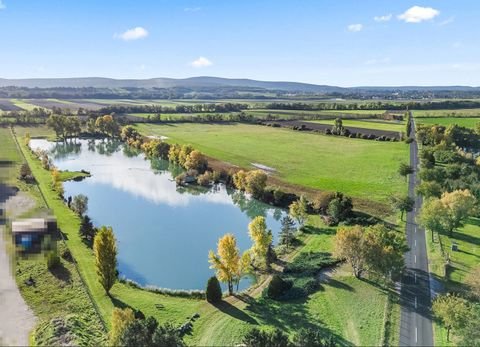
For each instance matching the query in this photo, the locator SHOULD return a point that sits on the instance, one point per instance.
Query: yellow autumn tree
(57, 184)
(105, 251)
(350, 245)
(227, 261)
(459, 205)
(120, 320)
(261, 238)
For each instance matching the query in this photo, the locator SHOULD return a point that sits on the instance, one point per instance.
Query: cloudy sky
(346, 43)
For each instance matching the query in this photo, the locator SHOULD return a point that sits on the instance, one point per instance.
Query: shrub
(321, 201)
(213, 291)
(180, 179)
(53, 260)
(25, 172)
(278, 287)
(204, 179)
(309, 263)
(259, 338)
(408, 140)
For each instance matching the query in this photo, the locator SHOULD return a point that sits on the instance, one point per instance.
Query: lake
(163, 232)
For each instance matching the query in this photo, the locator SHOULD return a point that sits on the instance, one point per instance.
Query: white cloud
(201, 62)
(132, 34)
(384, 18)
(192, 9)
(355, 27)
(2, 5)
(417, 14)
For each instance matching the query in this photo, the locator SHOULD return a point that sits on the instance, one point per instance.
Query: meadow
(468, 112)
(469, 122)
(360, 168)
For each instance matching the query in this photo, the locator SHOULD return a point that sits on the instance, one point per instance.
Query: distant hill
(206, 82)
(190, 83)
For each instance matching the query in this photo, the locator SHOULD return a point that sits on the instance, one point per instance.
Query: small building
(29, 233)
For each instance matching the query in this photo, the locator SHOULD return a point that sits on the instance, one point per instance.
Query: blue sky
(346, 43)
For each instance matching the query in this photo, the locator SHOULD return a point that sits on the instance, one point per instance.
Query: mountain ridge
(206, 82)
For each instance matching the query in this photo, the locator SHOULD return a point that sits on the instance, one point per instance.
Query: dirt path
(17, 320)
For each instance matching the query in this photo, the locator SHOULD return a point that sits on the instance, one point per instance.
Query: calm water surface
(164, 233)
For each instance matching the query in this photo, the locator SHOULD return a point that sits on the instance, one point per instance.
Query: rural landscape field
(320, 194)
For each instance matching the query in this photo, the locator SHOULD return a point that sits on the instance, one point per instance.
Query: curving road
(416, 324)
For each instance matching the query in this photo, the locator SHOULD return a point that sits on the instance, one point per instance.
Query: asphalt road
(416, 323)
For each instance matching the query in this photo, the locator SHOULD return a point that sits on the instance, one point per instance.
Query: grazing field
(23, 104)
(469, 122)
(360, 168)
(368, 124)
(467, 112)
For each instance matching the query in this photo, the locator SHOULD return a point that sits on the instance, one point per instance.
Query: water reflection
(164, 232)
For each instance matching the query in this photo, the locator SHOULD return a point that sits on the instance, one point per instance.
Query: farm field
(367, 124)
(468, 112)
(469, 122)
(360, 168)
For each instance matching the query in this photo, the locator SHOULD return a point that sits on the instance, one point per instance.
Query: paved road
(16, 318)
(416, 324)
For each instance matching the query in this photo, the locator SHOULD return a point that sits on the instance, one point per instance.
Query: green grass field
(461, 262)
(24, 104)
(469, 122)
(367, 124)
(467, 112)
(360, 168)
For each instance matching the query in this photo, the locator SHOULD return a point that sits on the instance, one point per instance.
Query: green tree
(429, 189)
(452, 310)
(384, 251)
(79, 204)
(105, 251)
(121, 318)
(287, 231)
(87, 230)
(402, 204)
(255, 183)
(432, 216)
(405, 170)
(213, 291)
(340, 207)
(277, 287)
(298, 211)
